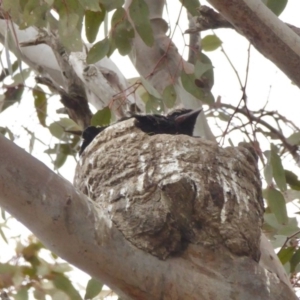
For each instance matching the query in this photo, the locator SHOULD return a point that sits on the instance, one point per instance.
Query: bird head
(185, 120)
(88, 135)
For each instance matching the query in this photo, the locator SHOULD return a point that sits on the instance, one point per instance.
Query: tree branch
(81, 232)
(266, 32)
(210, 19)
(291, 148)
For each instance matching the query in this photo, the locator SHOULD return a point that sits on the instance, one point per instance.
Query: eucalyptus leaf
(93, 288)
(139, 14)
(169, 96)
(276, 6)
(191, 6)
(22, 294)
(277, 204)
(154, 105)
(62, 283)
(92, 5)
(98, 51)
(149, 88)
(294, 138)
(286, 254)
(93, 20)
(40, 104)
(295, 260)
(59, 128)
(112, 4)
(268, 170)
(201, 68)
(210, 43)
(278, 171)
(290, 228)
(101, 117)
(188, 82)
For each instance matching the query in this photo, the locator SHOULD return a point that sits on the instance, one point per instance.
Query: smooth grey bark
(269, 35)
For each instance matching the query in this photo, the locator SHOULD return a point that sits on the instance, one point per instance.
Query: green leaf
(122, 31)
(276, 6)
(13, 6)
(34, 13)
(169, 96)
(294, 139)
(188, 82)
(139, 14)
(93, 20)
(31, 251)
(39, 294)
(61, 267)
(149, 88)
(136, 81)
(278, 171)
(210, 43)
(92, 5)
(22, 294)
(277, 241)
(268, 171)
(61, 148)
(58, 128)
(123, 35)
(8, 269)
(201, 68)
(290, 228)
(277, 204)
(271, 220)
(98, 51)
(224, 117)
(40, 104)
(285, 254)
(93, 288)
(292, 180)
(118, 16)
(191, 6)
(69, 29)
(295, 260)
(154, 105)
(203, 62)
(101, 117)
(112, 46)
(112, 4)
(62, 283)
(20, 78)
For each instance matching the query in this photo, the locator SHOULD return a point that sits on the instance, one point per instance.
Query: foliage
(35, 271)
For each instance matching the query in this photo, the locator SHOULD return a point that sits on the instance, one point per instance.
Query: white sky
(265, 82)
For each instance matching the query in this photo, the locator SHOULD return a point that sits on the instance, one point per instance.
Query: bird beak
(192, 114)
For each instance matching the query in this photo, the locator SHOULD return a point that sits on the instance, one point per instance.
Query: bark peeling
(164, 192)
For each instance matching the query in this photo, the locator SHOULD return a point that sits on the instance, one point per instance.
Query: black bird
(178, 122)
(88, 135)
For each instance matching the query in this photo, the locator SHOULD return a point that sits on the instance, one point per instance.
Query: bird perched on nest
(178, 122)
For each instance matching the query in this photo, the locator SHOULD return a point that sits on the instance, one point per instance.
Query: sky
(266, 84)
